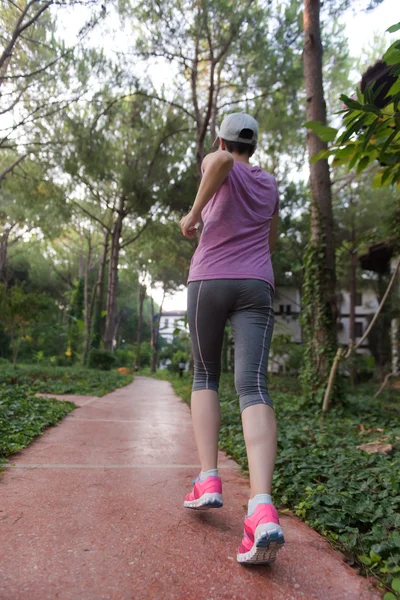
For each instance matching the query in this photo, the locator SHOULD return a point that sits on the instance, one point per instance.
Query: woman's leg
(252, 323)
(206, 418)
(208, 305)
(259, 428)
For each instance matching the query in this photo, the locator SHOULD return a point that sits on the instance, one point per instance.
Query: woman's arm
(216, 167)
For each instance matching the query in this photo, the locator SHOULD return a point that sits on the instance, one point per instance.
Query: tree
(39, 77)
(127, 159)
(19, 311)
(29, 199)
(319, 300)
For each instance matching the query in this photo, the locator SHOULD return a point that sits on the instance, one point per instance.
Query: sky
(360, 28)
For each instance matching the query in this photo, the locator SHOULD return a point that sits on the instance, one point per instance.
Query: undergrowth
(64, 380)
(24, 416)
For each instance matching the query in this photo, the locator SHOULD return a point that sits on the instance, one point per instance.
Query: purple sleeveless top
(234, 243)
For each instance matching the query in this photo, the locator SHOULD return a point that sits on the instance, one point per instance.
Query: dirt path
(93, 510)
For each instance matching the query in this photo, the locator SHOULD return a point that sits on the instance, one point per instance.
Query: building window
(166, 323)
(288, 309)
(281, 309)
(358, 299)
(359, 329)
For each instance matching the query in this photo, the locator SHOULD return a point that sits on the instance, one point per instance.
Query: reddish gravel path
(92, 510)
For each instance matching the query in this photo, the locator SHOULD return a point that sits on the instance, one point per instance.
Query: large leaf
(320, 156)
(393, 28)
(324, 132)
(392, 54)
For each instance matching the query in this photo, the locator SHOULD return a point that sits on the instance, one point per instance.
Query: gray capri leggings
(247, 303)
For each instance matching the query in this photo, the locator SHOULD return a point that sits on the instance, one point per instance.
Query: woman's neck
(243, 158)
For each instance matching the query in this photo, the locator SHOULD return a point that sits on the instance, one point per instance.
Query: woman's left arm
(216, 167)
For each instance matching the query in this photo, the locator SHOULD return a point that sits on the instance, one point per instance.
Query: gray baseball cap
(233, 125)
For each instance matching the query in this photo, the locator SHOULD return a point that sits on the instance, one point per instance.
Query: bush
(365, 367)
(175, 360)
(145, 354)
(62, 361)
(101, 359)
(125, 358)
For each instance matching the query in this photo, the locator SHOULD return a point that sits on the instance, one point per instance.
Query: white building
(170, 321)
(366, 306)
(287, 304)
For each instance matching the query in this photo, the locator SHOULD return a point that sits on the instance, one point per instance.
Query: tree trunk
(3, 253)
(395, 327)
(322, 324)
(142, 296)
(97, 319)
(353, 295)
(394, 332)
(88, 304)
(154, 336)
(112, 289)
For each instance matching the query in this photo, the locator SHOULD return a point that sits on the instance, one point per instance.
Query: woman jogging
(231, 277)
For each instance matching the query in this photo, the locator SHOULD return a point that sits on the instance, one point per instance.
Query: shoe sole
(206, 501)
(269, 540)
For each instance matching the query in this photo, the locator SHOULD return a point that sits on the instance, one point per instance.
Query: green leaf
(350, 102)
(363, 164)
(350, 130)
(392, 54)
(396, 584)
(389, 596)
(387, 143)
(325, 133)
(395, 89)
(393, 28)
(369, 133)
(320, 155)
(375, 558)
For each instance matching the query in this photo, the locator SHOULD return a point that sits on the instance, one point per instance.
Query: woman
(231, 277)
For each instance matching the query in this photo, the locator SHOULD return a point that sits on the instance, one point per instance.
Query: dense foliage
(63, 380)
(349, 496)
(23, 416)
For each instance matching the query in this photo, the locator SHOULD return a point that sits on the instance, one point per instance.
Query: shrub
(125, 358)
(176, 358)
(62, 361)
(101, 359)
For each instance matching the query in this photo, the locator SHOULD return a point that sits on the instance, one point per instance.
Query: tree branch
(135, 237)
(11, 167)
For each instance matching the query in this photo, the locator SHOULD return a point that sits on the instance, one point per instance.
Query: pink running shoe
(205, 494)
(262, 536)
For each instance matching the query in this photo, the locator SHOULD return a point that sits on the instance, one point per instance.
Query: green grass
(63, 380)
(349, 496)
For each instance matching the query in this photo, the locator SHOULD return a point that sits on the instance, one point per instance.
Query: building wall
(169, 322)
(366, 306)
